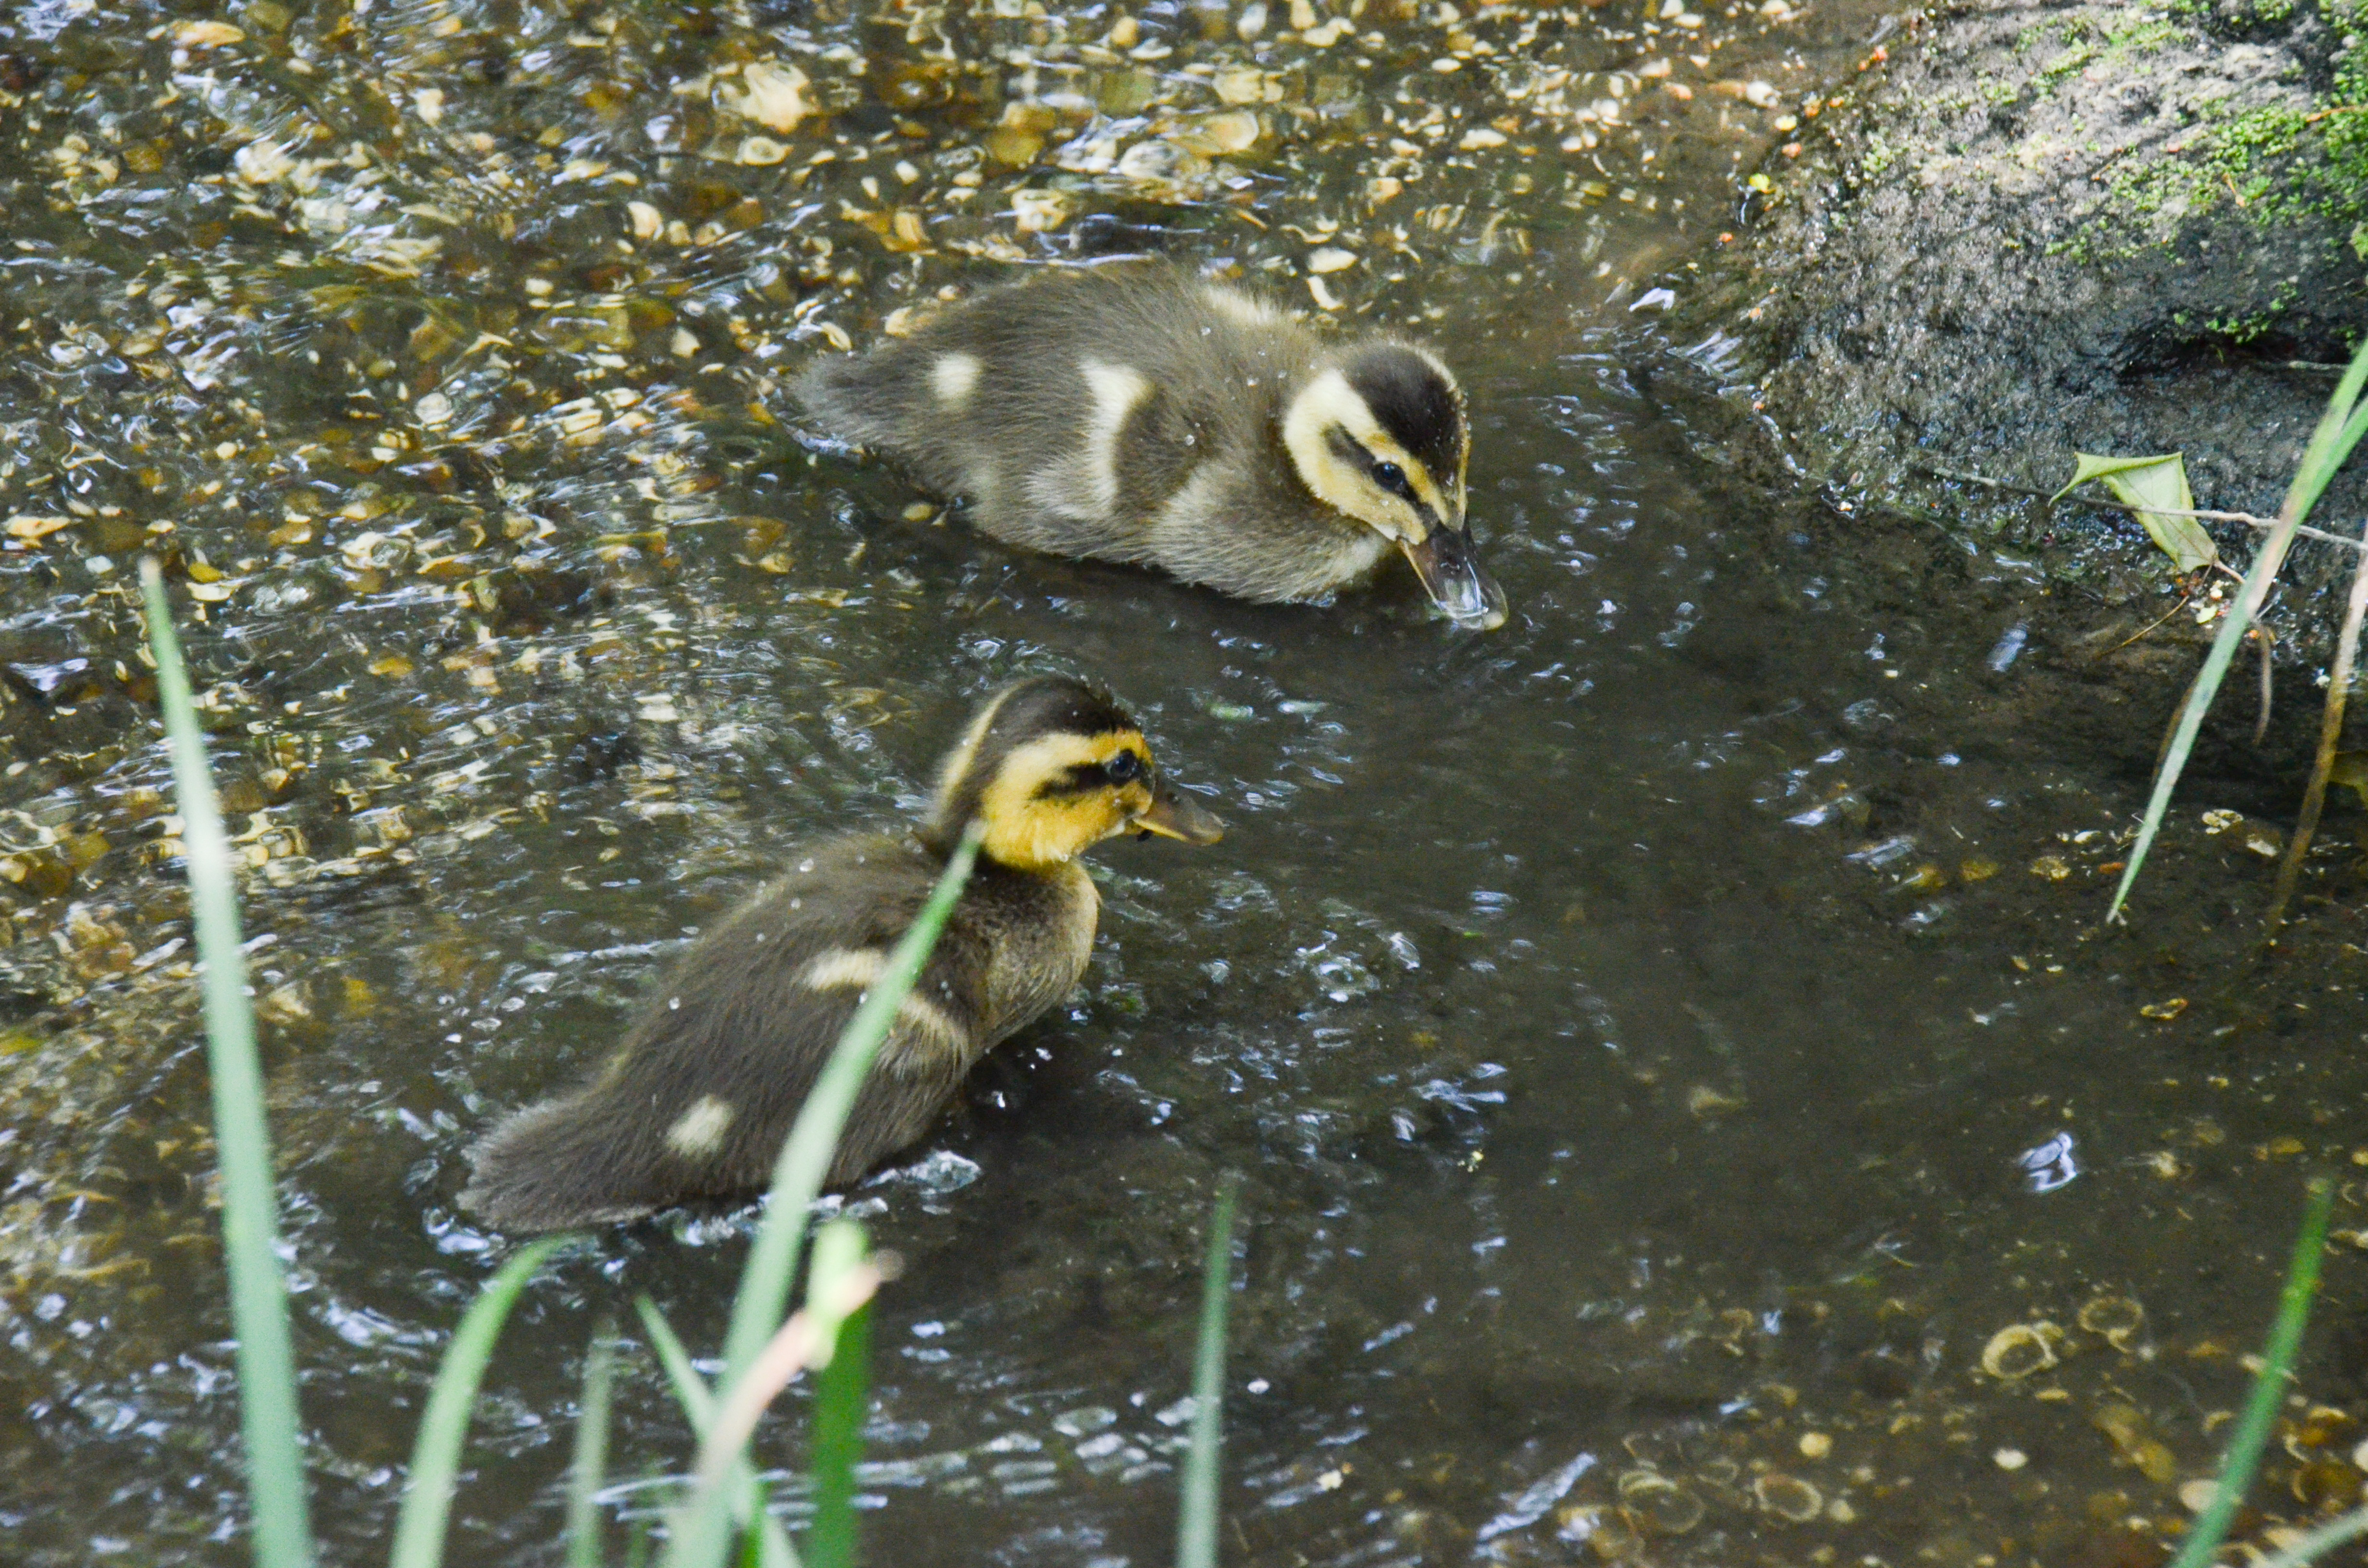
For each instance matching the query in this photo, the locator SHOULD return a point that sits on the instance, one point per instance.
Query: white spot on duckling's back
(921, 1023)
(954, 376)
(698, 1133)
(1118, 392)
(1243, 308)
(843, 969)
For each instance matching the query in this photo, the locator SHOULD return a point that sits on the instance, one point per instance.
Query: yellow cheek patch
(1030, 826)
(1327, 404)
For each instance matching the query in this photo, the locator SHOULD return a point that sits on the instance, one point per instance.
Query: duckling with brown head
(697, 1101)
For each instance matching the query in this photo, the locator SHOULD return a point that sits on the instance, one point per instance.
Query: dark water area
(1669, 1042)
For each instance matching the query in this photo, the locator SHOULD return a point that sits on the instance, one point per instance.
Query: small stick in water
(2261, 726)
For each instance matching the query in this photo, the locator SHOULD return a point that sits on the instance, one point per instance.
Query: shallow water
(1664, 1039)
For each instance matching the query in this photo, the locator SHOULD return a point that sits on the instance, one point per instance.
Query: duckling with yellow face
(697, 1101)
(1134, 412)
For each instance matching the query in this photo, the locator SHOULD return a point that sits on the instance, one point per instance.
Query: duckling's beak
(1175, 814)
(1452, 576)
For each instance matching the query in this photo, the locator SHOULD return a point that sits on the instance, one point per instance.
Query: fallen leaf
(2160, 481)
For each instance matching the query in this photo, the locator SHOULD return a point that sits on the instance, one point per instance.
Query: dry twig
(2331, 736)
(2247, 518)
(2267, 643)
(2157, 620)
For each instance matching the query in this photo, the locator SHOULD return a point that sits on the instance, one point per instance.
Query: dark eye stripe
(1084, 777)
(1390, 476)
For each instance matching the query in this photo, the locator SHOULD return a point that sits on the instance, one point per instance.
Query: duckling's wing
(698, 1100)
(1073, 410)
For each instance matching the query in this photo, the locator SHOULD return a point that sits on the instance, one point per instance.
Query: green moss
(1879, 155)
(2257, 323)
(2072, 60)
(2039, 33)
(2240, 15)
(2277, 166)
(2140, 34)
(2272, 167)
(2137, 32)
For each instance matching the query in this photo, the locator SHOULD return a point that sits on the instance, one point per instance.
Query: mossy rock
(2116, 229)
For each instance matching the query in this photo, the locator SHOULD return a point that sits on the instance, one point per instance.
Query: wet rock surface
(1667, 1041)
(2013, 232)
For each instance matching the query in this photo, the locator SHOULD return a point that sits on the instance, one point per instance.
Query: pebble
(1788, 1498)
(2020, 1349)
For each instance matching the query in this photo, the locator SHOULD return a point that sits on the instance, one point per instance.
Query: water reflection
(2050, 1165)
(1592, 1113)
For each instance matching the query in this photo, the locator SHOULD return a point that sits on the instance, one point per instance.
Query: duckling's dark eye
(1391, 478)
(1123, 766)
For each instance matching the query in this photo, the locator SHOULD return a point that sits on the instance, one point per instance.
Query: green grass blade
(436, 1452)
(259, 1293)
(1196, 1531)
(763, 1301)
(689, 1388)
(2233, 627)
(2339, 430)
(591, 1461)
(698, 1408)
(842, 1401)
(2260, 1413)
(839, 1282)
(2353, 429)
(2330, 742)
(2318, 1542)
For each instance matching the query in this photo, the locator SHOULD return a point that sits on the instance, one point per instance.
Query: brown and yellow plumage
(696, 1102)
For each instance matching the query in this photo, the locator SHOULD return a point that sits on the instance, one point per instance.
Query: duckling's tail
(863, 398)
(557, 1165)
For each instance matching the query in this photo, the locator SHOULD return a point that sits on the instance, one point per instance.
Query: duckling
(697, 1101)
(1131, 412)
